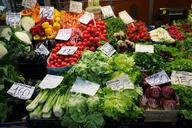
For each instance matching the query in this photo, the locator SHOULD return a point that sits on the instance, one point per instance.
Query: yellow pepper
(56, 26)
(45, 25)
(48, 31)
(57, 19)
(50, 36)
(36, 37)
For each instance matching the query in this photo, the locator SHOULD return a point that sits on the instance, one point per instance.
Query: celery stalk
(36, 114)
(47, 115)
(57, 108)
(44, 96)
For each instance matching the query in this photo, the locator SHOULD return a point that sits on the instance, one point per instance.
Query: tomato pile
(137, 31)
(56, 60)
(175, 33)
(93, 34)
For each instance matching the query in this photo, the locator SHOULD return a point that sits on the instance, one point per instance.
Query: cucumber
(27, 23)
(23, 37)
(6, 33)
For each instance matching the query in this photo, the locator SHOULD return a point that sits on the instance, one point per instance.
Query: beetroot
(169, 104)
(167, 92)
(155, 91)
(153, 103)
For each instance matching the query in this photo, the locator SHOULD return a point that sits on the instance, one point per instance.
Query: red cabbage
(169, 104)
(155, 91)
(153, 103)
(167, 92)
(143, 100)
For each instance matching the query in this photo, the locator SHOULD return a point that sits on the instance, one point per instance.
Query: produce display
(92, 72)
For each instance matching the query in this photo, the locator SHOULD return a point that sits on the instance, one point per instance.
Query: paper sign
(47, 11)
(181, 77)
(86, 18)
(122, 82)
(75, 6)
(126, 18)
(42, 50)
(50, 81)
(158, 78)
(85, 87)
(29, 3)
(67, 50)
(2, 8)
(107, 49)
(144, 48)
(21, 91)
(13, 19)
(107, 11)
(64, 34)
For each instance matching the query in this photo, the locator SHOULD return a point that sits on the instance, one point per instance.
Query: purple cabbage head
(153, 103)
(169, 104)
(155, 91)
(167, 92)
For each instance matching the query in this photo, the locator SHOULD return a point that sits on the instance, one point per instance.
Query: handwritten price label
(21, 91)
(75, 6)
(126, 18)
(107, 49)
(67, 50)
(42, 50)
(119, 83)
(107, 11)
(13, 19)
(46, 11)
(29, 3)
(86, 18)
(144, 48)
(85, 87)
(181, 77)
(158, 78)
(64, 34)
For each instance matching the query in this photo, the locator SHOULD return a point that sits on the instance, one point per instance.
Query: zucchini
(27, 23)
(6, 33)
(23, 37)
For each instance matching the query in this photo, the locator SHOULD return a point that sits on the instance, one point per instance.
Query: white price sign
(107, 49)
(50, 81)
(86, 18)
(42, 50)
(47, 11)
(67, 50)
(13, 19)
(2, 8)
(158, 78)
(119, 83)
(126, 18)
(144, 48)
(29, 3)
(85, 87)
(107, 11)
(75, 6)
(21, 91)
(181, 77)
(64, 34)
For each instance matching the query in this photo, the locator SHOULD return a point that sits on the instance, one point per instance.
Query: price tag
(181, 77)
(85, 87)
(158, 78)
(50, 81)
(107, 11)
(119, 83)
(126, 18)
(67, 50)
(47, 11)
(29, 3)
(2, 8)
(144, 48)
(75, 6)
(107, 49)
(86, 18)
(42, 50)
(21, 91)
(64, 34)
(13, 19)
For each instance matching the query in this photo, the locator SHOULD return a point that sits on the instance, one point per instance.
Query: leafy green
(185, 94)
(185, 45)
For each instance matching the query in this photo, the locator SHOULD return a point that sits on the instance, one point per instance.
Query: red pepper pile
(175, 33)
(56, 60)
(137, 31)
(93, 34)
